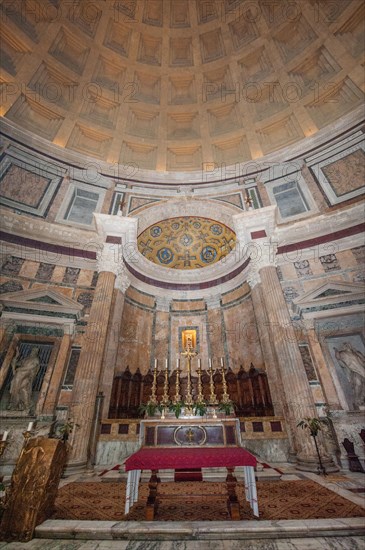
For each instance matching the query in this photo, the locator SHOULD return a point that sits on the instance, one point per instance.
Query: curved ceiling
(176, 85)
(188, 242)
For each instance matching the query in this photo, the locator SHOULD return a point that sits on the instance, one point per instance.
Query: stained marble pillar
(88, 371)
(295, 388)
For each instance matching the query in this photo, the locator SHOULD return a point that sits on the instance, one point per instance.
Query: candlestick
(165, 397)
(200, 396)
(153, 398)
(30, 426)
(177, 397)
(5, 436)
(212, 397)
(225, 396)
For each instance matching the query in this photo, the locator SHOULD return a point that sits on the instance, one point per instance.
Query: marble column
(258, 239)
(88, 369)
(88, 373)
(297, 393)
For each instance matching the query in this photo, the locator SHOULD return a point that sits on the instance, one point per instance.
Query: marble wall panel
(29, 269)
(188, 306)
(58, 274)
(9, 285)
(242, 339)
(140, 297)
(235, 294)
(12, 265)
(215, 334)
(135, 341)
(85, 277)
(161, 338)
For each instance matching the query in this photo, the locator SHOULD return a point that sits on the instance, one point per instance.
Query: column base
(311, 464)
(73, 468)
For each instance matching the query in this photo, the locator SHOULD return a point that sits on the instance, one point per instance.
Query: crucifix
(190, 435)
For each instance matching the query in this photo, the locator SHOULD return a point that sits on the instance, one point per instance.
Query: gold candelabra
(177, 397)
(189, 353)
(225, 396)
(153, 398)
(200, 396)
(212, 397)
(165, 397)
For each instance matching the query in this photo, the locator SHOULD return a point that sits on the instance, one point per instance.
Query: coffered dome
(173, 85)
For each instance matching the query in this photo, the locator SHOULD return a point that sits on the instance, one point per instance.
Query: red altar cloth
(189, 457)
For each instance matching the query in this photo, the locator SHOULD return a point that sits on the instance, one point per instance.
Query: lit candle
(222, 362)
(5, 436)
(210, 362)
(30, 426)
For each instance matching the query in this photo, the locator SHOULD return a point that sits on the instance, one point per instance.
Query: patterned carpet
(204, 501)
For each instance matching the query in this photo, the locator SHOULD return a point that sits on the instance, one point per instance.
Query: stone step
(195, 530)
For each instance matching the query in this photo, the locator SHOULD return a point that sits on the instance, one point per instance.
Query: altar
(191, 442)
(194, 437)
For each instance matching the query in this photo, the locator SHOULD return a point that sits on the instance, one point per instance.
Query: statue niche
(24, 372)
(352, 362)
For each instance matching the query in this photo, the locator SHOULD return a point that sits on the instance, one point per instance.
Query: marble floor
(315, 543)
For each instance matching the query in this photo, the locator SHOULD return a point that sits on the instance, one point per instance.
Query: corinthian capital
(122, 281)
(110, 258)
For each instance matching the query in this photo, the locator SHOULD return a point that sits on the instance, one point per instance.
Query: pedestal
(33, 488)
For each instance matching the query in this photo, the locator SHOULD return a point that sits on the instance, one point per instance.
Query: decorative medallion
(186, 242)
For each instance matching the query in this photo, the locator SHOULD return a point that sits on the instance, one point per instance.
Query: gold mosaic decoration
(186, 243)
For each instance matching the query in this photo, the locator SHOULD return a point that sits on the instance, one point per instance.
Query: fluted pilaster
(111, 349)
(273, 374)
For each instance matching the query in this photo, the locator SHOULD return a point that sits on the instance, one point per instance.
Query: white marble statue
(24, 372)
(353, 363)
